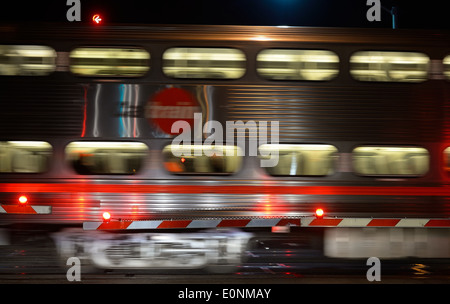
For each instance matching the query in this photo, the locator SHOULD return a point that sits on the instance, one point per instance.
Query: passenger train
(87, 149)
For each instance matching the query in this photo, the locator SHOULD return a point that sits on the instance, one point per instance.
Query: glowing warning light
(96, 18)
(106, 216)
(183, 159)
(23, 199)
(319, 212)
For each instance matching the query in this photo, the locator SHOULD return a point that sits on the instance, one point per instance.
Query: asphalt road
(37, 264)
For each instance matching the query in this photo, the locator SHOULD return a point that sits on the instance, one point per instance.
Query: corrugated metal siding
(363, 113)
(31, 110)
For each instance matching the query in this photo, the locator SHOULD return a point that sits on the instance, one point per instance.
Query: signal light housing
(97, 19)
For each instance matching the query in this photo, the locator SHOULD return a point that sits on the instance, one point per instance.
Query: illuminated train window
(447, 160)
(300, 160)
(391, 161)
(447, 67)
(99, 61)
(89, 157)
(207, 63)
(389, 66)
(281, 64)
(202, 159)
(26, 60)
(25, 156)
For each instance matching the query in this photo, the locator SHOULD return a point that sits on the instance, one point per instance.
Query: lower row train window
(202, 159)
(300, 160)
(390, 161)
(88, 157)
(94, 157)
(24, 156)
(446, 63)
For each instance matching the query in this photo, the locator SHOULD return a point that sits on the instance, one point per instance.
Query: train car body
(357, 120)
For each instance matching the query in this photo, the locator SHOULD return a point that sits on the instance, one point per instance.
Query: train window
(391, 161)
(300, 160)
(202, 159)
(447, 67)
(282, 64)
(209, 63)
(88, 157)
(100, 61)
(389, 66)
(26, 60)
(24, 156)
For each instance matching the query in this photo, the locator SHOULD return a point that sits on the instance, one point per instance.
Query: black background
(322, 13)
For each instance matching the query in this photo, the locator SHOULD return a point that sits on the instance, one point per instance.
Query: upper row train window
(447, 67)
(26, 60)
(285, 64)
(110, 62)
(389, 66)
(207, 63)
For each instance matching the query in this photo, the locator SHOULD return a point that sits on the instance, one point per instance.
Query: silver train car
(357, 120)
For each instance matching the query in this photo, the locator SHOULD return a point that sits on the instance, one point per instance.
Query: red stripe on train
(222, 189)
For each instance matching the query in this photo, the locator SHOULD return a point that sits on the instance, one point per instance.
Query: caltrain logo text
(170, 105)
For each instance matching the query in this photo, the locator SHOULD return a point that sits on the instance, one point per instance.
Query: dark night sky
(330, 13)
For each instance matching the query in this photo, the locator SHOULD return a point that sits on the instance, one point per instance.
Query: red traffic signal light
(97, 19)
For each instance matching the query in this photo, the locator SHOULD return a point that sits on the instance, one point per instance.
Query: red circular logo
(170, 105)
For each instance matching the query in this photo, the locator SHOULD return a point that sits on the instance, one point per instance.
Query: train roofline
(227, 33)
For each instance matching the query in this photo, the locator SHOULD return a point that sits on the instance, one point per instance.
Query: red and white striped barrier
(25, 209)
(267, 222)
(371, 222)
(190, 224)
